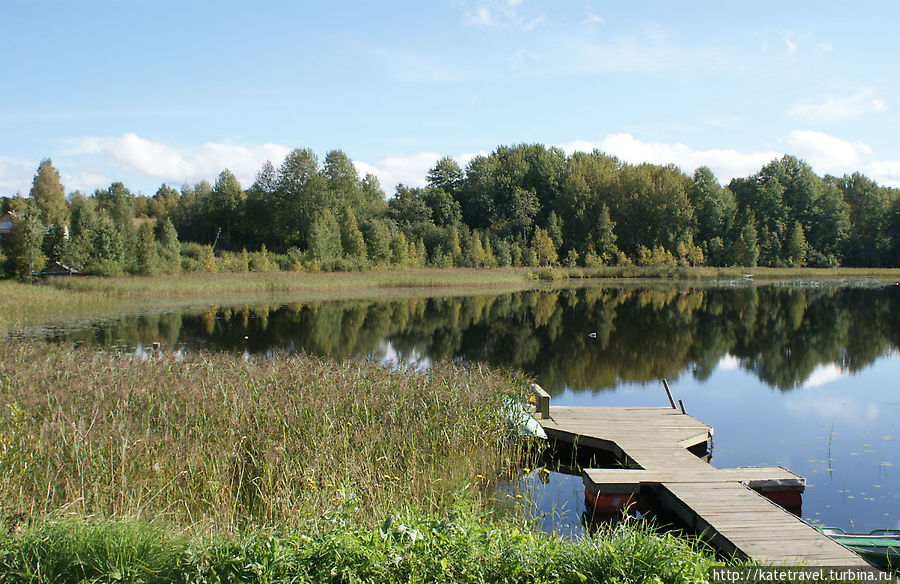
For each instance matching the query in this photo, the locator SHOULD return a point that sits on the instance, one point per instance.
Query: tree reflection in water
(780, 333)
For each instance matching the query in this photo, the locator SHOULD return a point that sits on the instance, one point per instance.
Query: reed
(216, 442)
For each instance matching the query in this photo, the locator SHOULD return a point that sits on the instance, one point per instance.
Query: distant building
(6, 225)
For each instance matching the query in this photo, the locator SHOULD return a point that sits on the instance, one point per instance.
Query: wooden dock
(733, 509)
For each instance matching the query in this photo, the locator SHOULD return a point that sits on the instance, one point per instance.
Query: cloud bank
(90, 163)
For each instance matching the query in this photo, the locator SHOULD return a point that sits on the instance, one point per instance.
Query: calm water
(803, 376)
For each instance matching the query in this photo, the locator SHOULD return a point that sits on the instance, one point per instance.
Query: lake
(805, 375)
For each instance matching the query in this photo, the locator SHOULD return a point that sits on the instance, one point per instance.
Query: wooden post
(542, 403)
(681, 405)
(668, 393)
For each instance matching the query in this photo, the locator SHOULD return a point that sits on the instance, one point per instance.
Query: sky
(158, 92)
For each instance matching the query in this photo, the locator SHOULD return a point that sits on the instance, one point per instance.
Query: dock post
(668, 393)
(542, 401)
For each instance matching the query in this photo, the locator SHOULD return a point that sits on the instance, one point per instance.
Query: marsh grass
(256, 283)
(217, 442)
(70, 299)
(413, 546)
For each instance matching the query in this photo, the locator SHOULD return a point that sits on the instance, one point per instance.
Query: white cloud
(886, 172)
(835, 107)
(591, 18)
(145, 158)
(728, 363)
(827, 154)
(15, 176)
(823, 374)
(393, 170)
(409, 170)
(481, 16)
(726, 164)
(791, 44)
(499, 14)
(85, 181)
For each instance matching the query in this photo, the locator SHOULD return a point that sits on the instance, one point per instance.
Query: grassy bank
(66, 299)
(220, 469)
(412, 547)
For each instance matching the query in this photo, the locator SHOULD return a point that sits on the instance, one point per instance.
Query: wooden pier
(742, 511)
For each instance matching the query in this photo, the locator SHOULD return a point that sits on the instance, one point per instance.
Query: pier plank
(721, 504)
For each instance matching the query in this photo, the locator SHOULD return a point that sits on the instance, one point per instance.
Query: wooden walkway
(728, 507)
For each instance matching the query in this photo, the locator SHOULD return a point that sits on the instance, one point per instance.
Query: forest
(522, 205)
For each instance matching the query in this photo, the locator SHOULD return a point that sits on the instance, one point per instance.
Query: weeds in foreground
(413, 546)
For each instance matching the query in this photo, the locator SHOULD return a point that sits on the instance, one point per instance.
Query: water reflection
(831, 352)
(788, 337)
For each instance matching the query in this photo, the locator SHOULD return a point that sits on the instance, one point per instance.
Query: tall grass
(218, 442)
(410, 547)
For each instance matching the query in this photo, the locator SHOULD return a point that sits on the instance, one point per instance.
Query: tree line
(523, 205)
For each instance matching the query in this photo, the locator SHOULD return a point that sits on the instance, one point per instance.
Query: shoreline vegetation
(219, 469)
(77, 298)
(525, 205)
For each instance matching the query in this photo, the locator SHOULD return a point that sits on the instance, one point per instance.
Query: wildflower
(479, 476)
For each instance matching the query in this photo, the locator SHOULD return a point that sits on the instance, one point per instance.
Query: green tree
(351, 237)
(544, 249)
(445, 175)
(796, 246)
(83, 222)
(399, 249)
(867, 242)
(555, 229)
(342, 182)
(168, 248)
(109, 247)
(325, 239)
(48, 194)
(444, 208)
(163, 203)
(301, 195)
(715, 210)
(225, 205)
(55, 243)
(746, 248)
(147, 258)
(23, 244)
(604, 237)
(378, 243)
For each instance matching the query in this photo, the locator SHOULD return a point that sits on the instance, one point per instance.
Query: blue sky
(153, 92)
